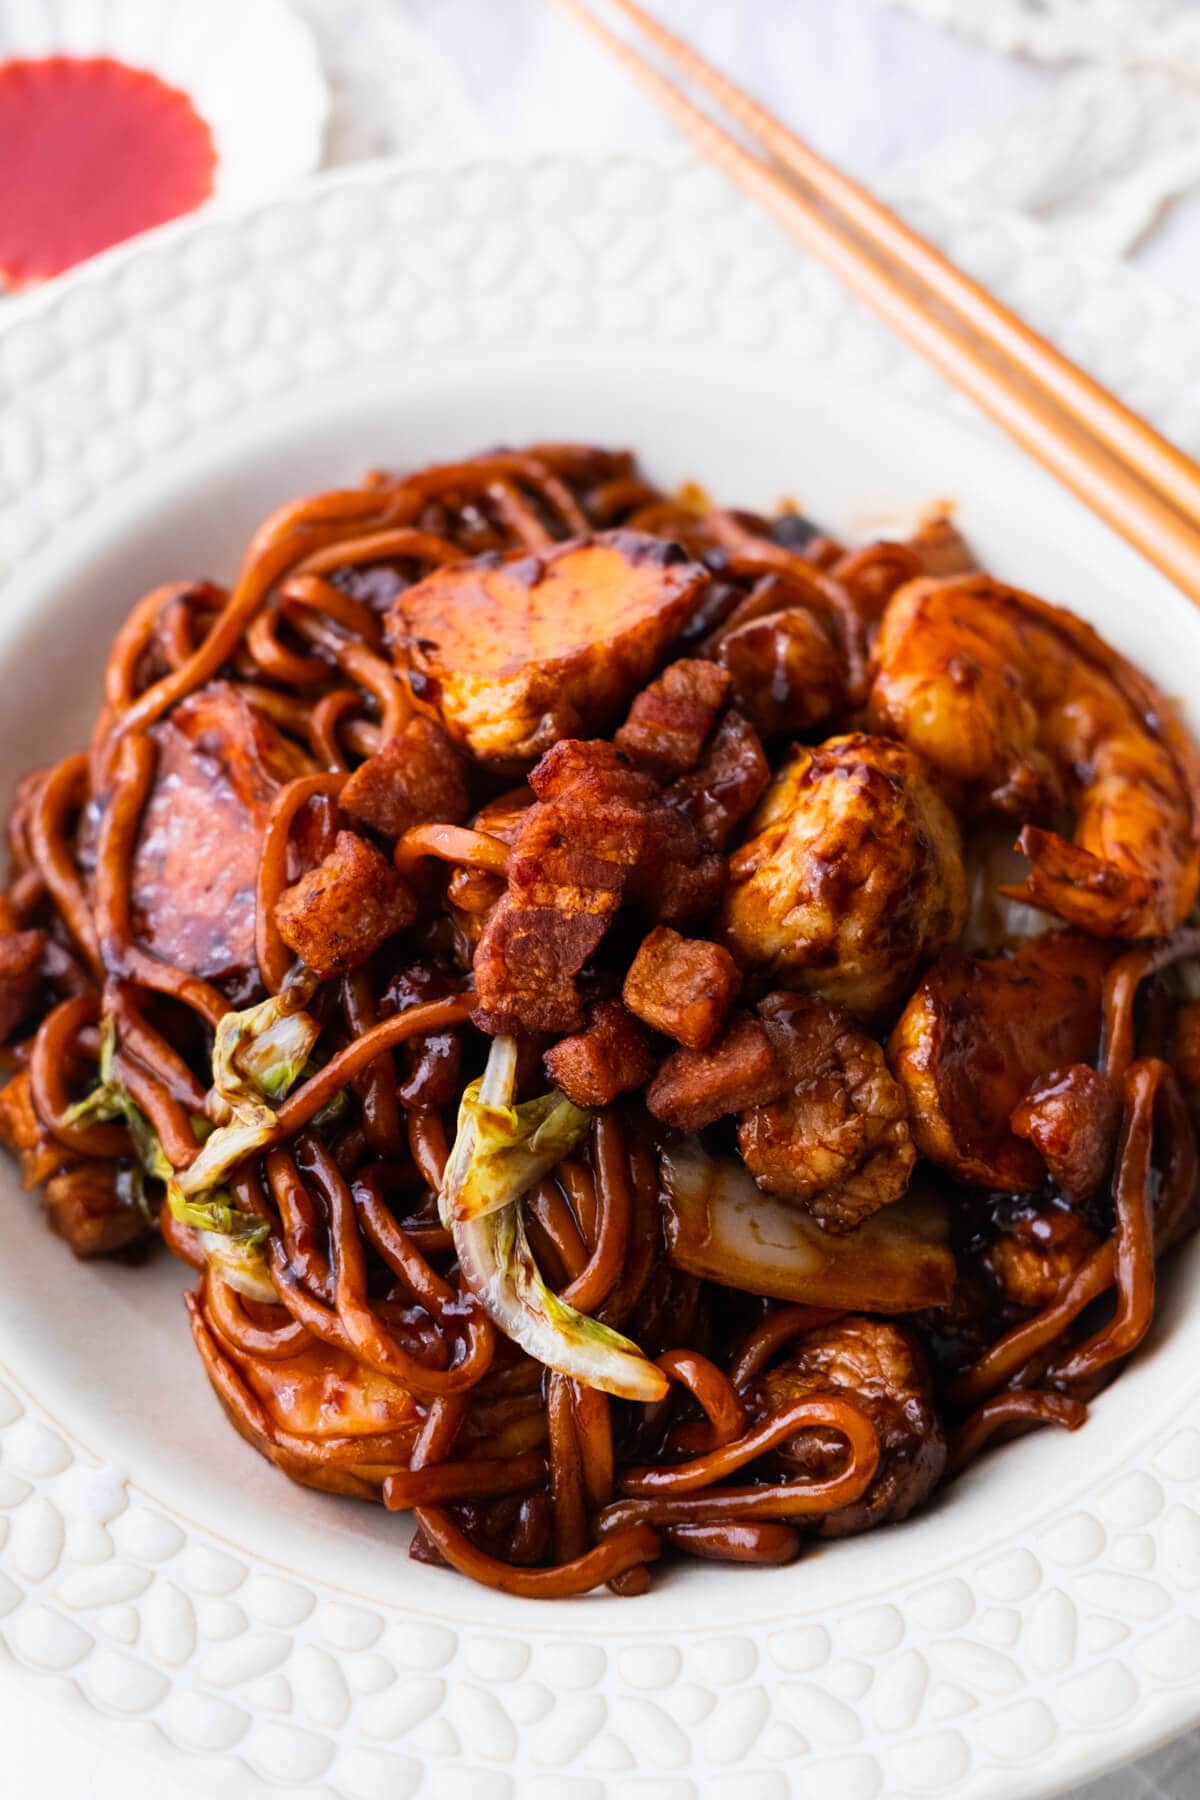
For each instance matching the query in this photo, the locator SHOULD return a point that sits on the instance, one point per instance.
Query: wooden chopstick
(1127, 435)
(1144, 487)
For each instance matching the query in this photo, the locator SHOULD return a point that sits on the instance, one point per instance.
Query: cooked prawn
(1025, 709)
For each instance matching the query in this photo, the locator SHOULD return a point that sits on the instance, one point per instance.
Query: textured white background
(1095, 151)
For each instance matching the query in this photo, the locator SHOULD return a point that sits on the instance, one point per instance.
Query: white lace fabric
(1126, 34)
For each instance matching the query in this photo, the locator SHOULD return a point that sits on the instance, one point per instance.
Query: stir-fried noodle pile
(551, 957)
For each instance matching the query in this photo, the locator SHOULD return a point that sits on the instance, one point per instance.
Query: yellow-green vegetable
(500, 1151)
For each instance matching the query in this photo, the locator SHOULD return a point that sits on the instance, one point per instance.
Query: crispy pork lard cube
(416, 777)
(517, 651)
(610, 1056)
(727, 783)
(670, 719)
(337, 914)
(195, 865)
(695, 1087)
(681, 986)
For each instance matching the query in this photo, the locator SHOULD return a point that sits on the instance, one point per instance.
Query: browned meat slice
(694, 1087)
(572, 860)
(21, 954)
(669, 721)
(520, 650)
(195, 865)
(1032, 1262)
(611, 1056)
(1071, 1117)
(683, 987)
(788, 673)
(838, 1144)
(87, 1206)
(852, 878)
(880, 1367)
(978, 1033)
(337, 914)
(727, 783)
(418, 776)
(23, 1135)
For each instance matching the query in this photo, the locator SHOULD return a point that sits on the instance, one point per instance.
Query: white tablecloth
(1097, 149)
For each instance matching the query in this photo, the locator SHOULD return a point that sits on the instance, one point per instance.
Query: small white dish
(249, 67)
(1033, 1628)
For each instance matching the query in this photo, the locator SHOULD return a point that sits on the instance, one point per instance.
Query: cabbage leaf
(500, 1152)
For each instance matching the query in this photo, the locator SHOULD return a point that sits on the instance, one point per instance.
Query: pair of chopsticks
(1141, 485)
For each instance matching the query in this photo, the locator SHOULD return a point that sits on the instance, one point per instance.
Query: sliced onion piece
(719, 1224)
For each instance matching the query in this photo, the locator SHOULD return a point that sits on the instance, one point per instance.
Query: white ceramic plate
(1039, 1623)
(250, 68)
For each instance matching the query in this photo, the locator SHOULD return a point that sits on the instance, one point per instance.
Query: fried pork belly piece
(853, 876)
(416, 777)
(695, 1087)
(837, 1143)
(677, 879)
(518, 651)
(727, 783)
(682, 987)
(880, 1367)
(195, 864)
(89, 1207)
(670, 719)
(976, 1035)
(1071, 1117)
(612, 1055)
(341, 911)
(599, 834)
(21, 955)
(571, 862)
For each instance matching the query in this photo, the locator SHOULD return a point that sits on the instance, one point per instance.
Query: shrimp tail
(1084, 889)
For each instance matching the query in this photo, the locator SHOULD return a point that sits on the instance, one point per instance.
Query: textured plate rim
(60, 1476)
